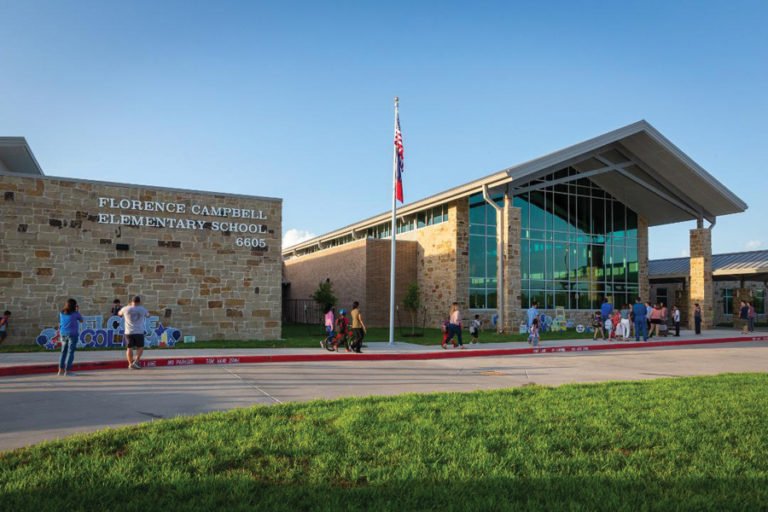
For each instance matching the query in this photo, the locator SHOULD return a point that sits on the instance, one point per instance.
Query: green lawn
(303, 336)
(672, 444)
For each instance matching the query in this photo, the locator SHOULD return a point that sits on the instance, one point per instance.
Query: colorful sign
(96, 334)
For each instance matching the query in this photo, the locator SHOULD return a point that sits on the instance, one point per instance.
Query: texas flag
(399, 157)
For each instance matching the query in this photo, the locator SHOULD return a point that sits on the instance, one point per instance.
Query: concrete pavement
(41, 407)
(52, 357)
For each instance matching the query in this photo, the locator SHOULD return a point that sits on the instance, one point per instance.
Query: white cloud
(685, 253)
(753, 245)
(296, 236)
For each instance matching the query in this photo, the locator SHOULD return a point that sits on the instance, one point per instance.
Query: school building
(735, 277)
(564, 230)
(207, 264)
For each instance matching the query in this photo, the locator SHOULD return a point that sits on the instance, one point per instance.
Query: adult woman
(751, 316)
(69, 332)
(697, 317)
(358, 328)
(454, 326)
(744, 317)
(625, 330)
(655, 320)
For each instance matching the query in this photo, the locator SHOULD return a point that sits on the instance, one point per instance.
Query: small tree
(324, 294)
(411, 303)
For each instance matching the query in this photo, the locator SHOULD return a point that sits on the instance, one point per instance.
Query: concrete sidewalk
(44, 407)
(400, 347)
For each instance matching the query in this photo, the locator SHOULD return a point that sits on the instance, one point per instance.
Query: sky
(294, 99)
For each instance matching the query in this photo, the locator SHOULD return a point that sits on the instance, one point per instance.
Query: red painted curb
(32, 369)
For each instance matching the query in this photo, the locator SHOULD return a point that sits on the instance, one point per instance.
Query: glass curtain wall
(482, 252)
(578, 244)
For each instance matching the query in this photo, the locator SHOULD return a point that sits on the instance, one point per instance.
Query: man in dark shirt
(641, 325)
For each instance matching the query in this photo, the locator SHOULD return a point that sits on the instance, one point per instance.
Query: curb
(33, 369)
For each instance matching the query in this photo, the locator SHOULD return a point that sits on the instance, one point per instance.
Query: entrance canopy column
(701, 287)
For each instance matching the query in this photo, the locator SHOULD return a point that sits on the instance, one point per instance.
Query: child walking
(533, 337)
(474, 329)
(329, 322)
(597, 326)
(615, 324)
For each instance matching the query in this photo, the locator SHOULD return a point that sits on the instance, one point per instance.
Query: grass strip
(670, 444)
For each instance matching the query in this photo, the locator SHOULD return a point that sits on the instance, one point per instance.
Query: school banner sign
(97, 334)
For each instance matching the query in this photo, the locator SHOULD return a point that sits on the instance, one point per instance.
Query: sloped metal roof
(729, 264)
(16, 156)
(640, 167)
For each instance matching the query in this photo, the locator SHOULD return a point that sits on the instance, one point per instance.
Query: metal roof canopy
(641, 168)
(734, 265)
(635, 164)
(16, 156)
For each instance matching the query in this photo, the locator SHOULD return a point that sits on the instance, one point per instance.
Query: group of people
(70, 319)
(337, 329)
(452, 328)
(747, 316)
(645, 319)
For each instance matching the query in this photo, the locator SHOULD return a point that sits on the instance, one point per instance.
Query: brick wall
(344, 265)
(378, 272)
(197, 280)
(360, 271)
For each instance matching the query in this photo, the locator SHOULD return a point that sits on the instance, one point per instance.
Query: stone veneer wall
(198, 281)
(642, 258)
(700, 277)
(359, 271)
(443, 276)
(513, 312)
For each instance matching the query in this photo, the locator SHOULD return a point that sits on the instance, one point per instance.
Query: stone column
(701, 290)
(460, 220)
(512, 257)
(642, 260)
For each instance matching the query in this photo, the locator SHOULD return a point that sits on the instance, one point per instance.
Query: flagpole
(394, 236)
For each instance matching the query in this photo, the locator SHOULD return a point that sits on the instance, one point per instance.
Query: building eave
(17, 156)
(493, 180)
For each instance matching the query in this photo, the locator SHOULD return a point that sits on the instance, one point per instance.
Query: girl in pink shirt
(328, 320)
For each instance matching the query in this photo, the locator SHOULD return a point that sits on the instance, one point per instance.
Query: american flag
(400, 161)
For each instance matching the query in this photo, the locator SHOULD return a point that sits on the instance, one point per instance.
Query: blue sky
(294, 99)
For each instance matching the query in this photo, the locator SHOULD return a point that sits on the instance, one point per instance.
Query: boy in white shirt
(474, 329)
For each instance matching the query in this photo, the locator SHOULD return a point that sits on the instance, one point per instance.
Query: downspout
(499, 259)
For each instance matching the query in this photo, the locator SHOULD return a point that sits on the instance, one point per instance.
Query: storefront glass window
(482, 252)
(577, 245)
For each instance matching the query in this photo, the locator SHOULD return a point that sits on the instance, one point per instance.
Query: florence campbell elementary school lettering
(180, 208)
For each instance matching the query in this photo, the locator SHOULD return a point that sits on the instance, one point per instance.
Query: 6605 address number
(256, 243)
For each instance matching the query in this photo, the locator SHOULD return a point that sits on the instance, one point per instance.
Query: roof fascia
(493, 180)
(669, 146)
(21, 141)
